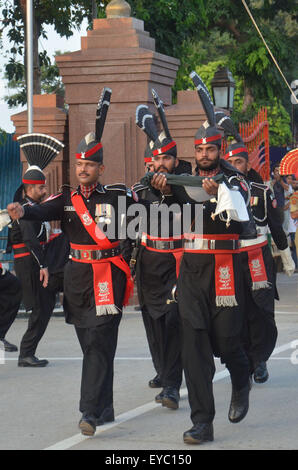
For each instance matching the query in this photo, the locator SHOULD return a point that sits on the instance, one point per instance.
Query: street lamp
(223, 88)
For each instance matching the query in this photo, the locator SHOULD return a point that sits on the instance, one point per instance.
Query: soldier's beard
(212, 165)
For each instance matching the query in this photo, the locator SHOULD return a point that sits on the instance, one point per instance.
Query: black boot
(261, 373)
(170, 398)
(199, 433)
(32, 361)
(87, 424)
(159, 397)
(8, 347)
(155, 382)
(239, 404)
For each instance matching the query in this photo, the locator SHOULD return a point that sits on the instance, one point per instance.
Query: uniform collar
(98, 188)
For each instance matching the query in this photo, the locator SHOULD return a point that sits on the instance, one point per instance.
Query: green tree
(50, 80)
(64, 15)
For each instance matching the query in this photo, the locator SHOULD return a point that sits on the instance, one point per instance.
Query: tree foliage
(64, 15)
(200, 33)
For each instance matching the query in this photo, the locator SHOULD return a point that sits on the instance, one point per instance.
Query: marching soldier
(97, 280)
(259, 267)
(158, 264)
(27, 239)
(10, 300)
(210, 294)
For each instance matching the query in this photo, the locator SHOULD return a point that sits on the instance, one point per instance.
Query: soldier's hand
(15, 210)
(159, 182)
(44, 276)
(210, 186)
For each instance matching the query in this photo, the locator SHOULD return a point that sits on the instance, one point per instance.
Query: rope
(267, 47)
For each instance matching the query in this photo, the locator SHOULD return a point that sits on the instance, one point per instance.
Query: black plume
(161, 112)
(101, 112)
(145, 121)
(225, 122)
(205, 97)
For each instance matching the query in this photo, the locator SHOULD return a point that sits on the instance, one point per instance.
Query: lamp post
(223, 88)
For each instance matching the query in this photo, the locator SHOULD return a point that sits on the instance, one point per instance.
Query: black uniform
(156, 275)
(27, 239)
(10, 299)
(210, 329)
(97, 334)
(261, 332)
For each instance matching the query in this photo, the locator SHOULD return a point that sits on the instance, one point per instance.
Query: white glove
(231, 201)
(4, 219)
(287, 261)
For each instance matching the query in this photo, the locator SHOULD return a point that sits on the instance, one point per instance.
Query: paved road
(39, 408)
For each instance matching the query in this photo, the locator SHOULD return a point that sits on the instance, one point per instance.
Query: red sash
(257, 269)
(102, 273)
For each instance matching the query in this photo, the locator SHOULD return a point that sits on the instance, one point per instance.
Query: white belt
(262, 229)
(254, 241)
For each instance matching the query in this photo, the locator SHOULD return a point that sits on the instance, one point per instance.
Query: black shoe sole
(32, 365)
(154, 384)
(86, 428)
(168, 403)
(261, 381)
(191, 440)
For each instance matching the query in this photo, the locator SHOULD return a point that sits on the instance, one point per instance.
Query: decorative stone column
(49, 118)
(119, 54)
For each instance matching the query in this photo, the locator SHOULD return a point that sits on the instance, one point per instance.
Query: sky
(52, 44)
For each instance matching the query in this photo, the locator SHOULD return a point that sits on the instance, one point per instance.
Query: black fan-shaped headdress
(39, 150)
(207, 133)
(90, 147)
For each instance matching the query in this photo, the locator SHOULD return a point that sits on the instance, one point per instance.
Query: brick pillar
(117, 53)
(49, 118)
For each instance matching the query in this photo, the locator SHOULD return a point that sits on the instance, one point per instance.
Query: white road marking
(127, 416)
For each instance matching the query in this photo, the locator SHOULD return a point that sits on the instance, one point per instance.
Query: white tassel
(107, 310)
(226, 301)
(261, 285)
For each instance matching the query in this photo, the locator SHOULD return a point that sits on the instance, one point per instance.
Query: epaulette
(137, 187)
(116, 187)
(64, 187)
(265, 187)
(53, 196)
(119, 187)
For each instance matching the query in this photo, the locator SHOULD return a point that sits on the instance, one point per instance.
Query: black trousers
(260, 331)
(199, 368)
(98, 345)
(209, 331)
(10, 299)
(165, 337)
(39, 318)
(152, 342)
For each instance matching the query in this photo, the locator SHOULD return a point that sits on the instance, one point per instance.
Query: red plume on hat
(289, 163)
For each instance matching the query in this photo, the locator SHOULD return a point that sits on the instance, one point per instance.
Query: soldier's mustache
(161, 168)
